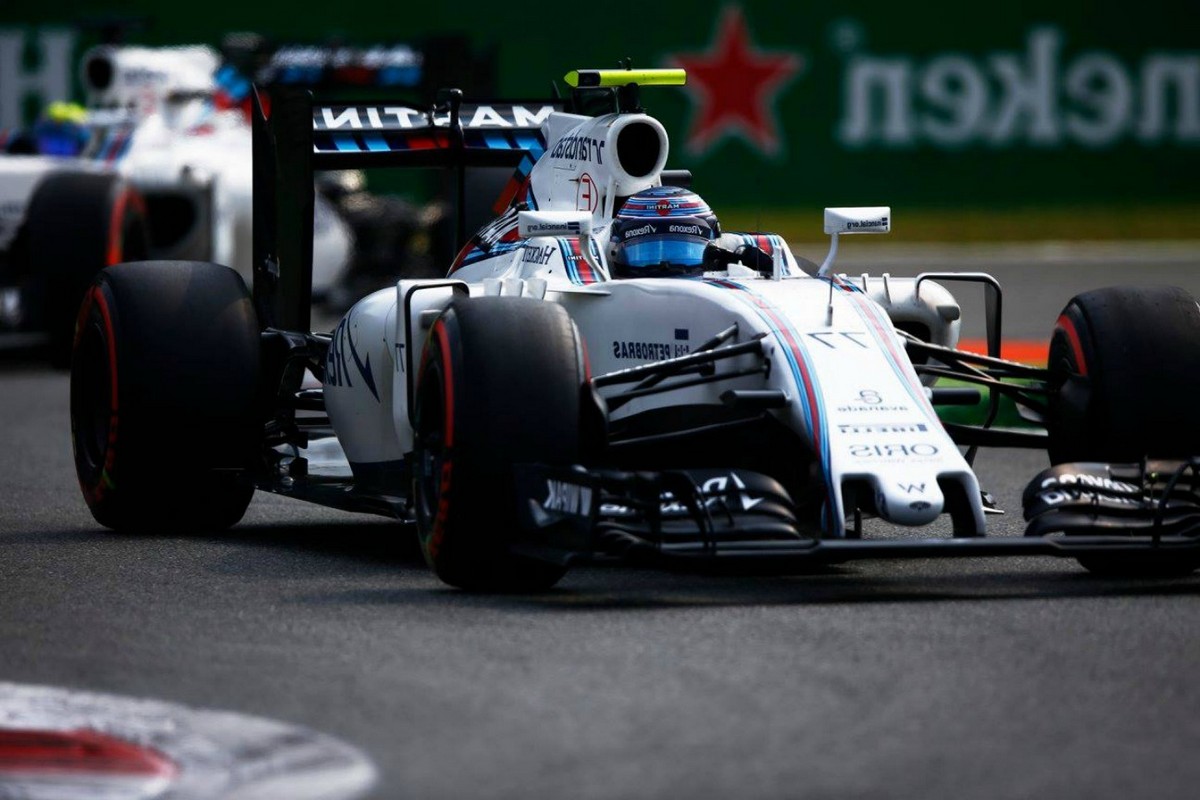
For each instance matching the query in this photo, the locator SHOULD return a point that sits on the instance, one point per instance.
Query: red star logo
(733, 86)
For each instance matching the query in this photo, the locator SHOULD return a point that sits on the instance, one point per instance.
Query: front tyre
(164, 387)
(1124, 377)
(1125, 373)
(499, 384)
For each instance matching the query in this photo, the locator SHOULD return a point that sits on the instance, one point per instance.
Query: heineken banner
(786, 105)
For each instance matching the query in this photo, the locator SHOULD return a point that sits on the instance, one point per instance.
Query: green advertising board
(937, 105)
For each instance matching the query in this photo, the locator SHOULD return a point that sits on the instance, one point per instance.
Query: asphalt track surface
(962, 678)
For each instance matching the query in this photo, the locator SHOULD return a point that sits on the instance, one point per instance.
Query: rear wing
(451, 135)
(416, 68)
(293, 137)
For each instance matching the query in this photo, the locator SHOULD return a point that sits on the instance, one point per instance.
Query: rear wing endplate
(293, 137)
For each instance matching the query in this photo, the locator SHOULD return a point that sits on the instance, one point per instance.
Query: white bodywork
(854, 396)
(155, 121)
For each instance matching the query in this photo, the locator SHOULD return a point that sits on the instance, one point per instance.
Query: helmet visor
(654, 251)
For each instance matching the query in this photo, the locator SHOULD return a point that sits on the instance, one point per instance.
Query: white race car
(159, 166)
(605, 373)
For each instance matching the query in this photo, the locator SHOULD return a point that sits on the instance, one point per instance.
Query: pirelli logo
(878, 427)
(403, 118)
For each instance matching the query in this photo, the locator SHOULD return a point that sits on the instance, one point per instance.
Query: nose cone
(909, 502)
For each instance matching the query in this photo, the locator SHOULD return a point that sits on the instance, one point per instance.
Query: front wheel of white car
(499, 384)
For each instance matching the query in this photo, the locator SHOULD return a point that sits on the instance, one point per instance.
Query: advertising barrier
(1070, 104)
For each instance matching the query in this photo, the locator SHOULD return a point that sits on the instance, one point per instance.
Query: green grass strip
(1008, 417)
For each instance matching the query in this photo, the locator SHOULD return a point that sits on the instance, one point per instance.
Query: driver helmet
(61, 130)
(661, 233)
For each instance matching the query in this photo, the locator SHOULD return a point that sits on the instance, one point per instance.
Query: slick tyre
(499, 384)
(164, 390)
(1124, 376)
(78, 224)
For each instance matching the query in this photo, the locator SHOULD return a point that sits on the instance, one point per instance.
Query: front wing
(714, 519)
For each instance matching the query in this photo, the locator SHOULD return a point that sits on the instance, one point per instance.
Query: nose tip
(909, 502)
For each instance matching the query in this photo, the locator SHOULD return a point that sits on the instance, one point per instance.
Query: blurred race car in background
(604, 373)
(157, 164)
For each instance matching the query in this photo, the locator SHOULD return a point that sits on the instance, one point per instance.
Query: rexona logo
(1043, 94)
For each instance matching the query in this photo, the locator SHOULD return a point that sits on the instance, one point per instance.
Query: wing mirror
(576, 224)
(860, 219)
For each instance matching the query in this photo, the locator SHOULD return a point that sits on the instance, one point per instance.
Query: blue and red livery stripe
(883, 331)
(768, 243)
(115, 146)
(578, 269)
(424, 139)
(811, 402)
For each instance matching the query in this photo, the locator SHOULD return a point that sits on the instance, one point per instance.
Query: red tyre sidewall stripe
(448, 381)
(116, 233)
(95, 296)
(1067, 326)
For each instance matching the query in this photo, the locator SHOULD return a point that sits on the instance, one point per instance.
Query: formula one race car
(158, 165)
(604, 373)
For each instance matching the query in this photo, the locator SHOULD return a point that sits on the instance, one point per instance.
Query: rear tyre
(499, 384)
(78, 224)
(1124, 376)
(164, 387)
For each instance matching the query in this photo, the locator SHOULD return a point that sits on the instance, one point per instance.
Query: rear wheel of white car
(164, 391)
(1125, 374)
(499, 384)
(78, 224)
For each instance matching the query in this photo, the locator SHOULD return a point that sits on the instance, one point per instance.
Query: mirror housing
(853, 219)
(858, 219)
(553, 223)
